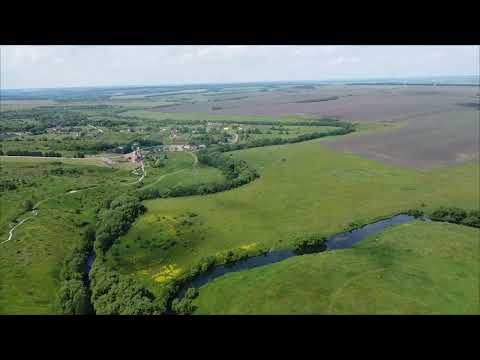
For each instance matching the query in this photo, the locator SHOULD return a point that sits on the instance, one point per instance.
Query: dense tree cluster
(73, 297)
(114, 293)
(7, 185)
(115, 220)
(457, 216)
(185, 305)
(117, 294)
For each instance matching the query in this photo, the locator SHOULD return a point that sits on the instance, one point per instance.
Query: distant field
(161, 115)
(8, 105)
(416, 268)
(424, 142)
(354, 103)
(303, 187)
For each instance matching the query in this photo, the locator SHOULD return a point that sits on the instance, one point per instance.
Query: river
(338, 241)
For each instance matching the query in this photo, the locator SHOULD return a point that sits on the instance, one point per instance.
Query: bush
(28, 205)
(310, 244)
(415, 213)
(452, 214)
(472, 219)
(457, 216)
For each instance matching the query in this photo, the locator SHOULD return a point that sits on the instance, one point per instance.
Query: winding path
(35, 211)
(10, 235)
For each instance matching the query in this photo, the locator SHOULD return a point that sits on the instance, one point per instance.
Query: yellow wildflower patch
(249, 246)
(167, 273)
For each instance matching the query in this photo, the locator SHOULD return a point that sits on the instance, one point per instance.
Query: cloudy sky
(57, 66)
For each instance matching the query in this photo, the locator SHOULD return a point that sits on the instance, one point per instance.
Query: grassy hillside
(30, 261)
(415, 268)
(303, 187)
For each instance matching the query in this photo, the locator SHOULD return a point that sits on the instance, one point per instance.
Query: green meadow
(303, 188)
(414, 268)
(30, 262)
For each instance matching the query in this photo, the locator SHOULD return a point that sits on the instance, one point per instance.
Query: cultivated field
(423, 142)
(354, 103)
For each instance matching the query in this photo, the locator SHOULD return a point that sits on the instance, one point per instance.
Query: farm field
(303, 187)
(355, 103)
(424, 142)
(405, 270)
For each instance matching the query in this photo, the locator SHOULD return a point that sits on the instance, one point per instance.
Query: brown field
(440, 123)
(355, 103)
(424, 142)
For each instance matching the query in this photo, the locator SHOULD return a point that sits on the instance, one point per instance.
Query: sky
(65, 66)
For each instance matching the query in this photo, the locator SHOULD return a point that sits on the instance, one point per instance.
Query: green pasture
(414, 268)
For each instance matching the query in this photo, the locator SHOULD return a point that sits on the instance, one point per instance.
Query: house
(135, 156)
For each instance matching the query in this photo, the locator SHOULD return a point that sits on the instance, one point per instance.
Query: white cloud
(50, 66)
(340, 60)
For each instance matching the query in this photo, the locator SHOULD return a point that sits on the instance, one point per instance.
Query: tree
(72, 298)
(28, 205)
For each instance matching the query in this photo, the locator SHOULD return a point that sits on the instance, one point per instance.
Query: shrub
(183, 307)
(472, 219)
(28, 205)
(452, 214)
(310, 244)
(415, 213)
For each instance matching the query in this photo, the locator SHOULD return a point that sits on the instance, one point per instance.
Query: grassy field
(181, 168)
(415, 268)
(30, 261)
(303, 187)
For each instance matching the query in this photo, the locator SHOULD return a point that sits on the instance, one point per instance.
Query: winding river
(335, 242)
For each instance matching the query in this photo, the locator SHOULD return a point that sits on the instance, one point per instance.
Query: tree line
(31, 153)
(281, 141)
(73, 297)
(457, 216)
(114, 293)
(237, 173)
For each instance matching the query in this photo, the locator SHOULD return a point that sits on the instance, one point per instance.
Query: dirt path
(160, 178)
(235, 140)
(35, 210)
(10, 234)
(96, 128)
(144, 173)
